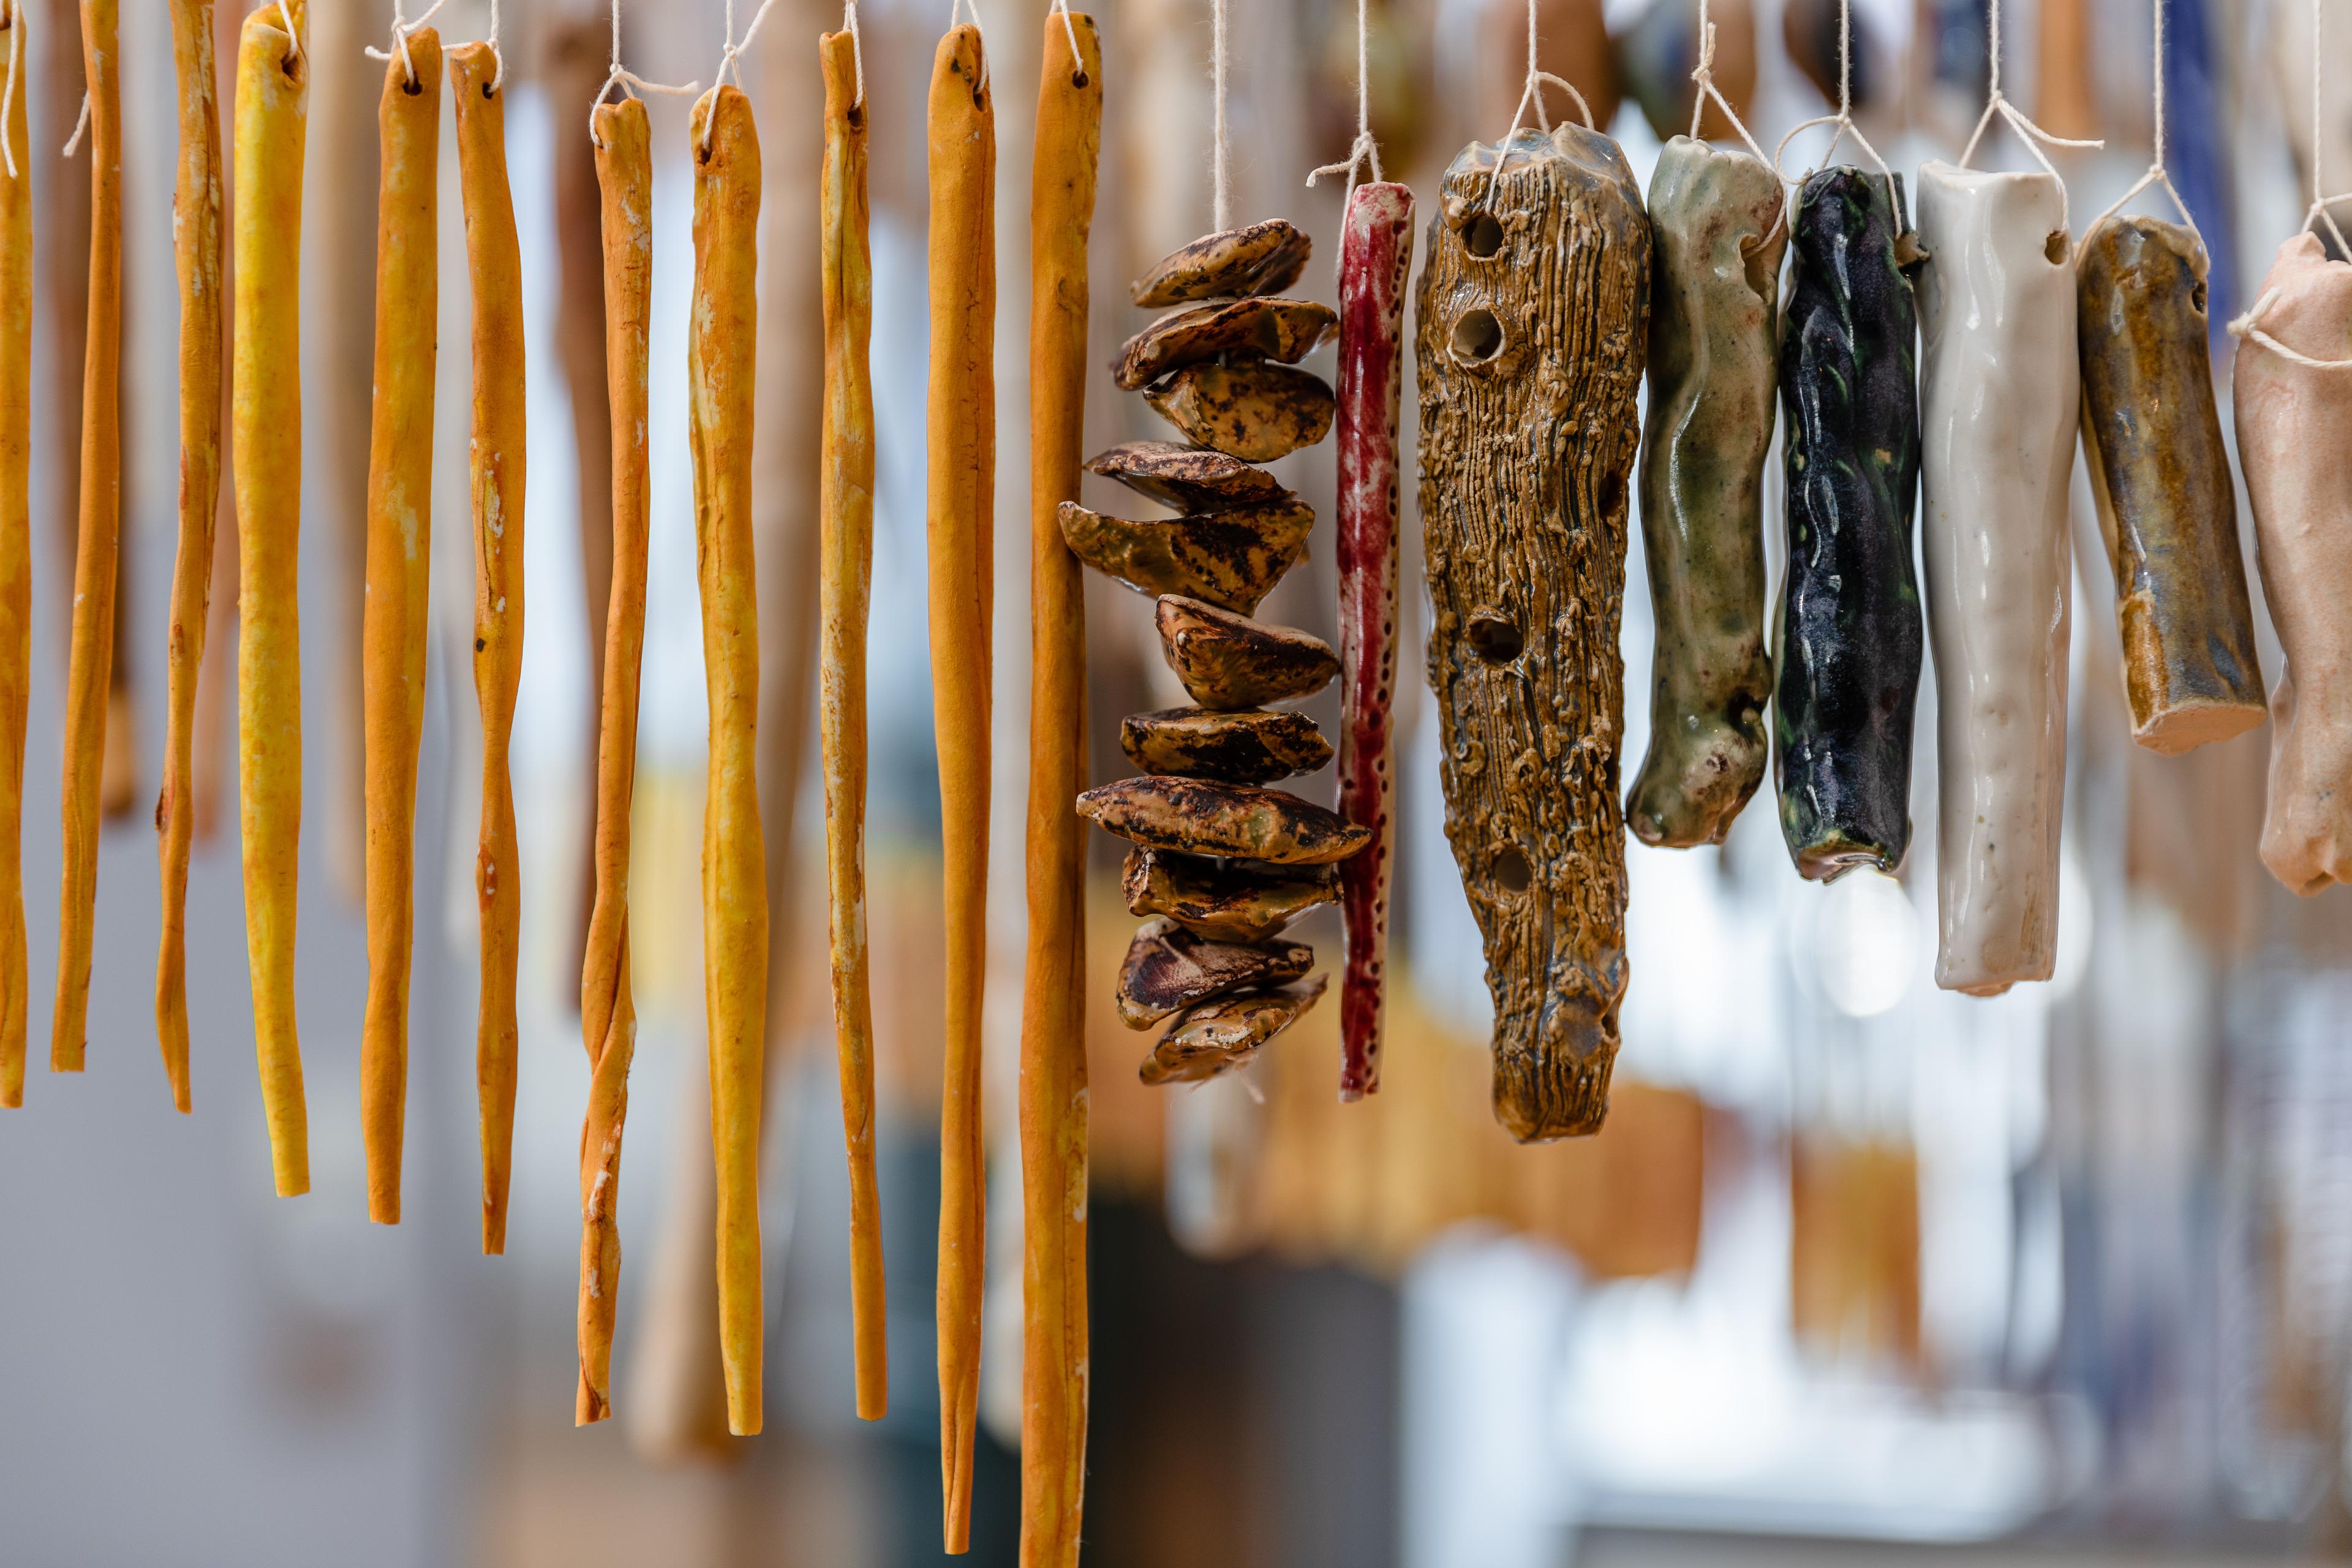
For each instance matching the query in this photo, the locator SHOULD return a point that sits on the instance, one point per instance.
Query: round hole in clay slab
(1482, 236)
(1494, 636)
(1512, 870)
(1478, 337)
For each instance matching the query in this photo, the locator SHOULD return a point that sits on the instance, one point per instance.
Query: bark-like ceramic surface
(2160, 474)
(2294, 426)
(1848, 627)
(1168, 968)
(1201, 816)
(1252, 410)
(1230, 559)
(1285, 330)
(1531, 324)
(1190, 478)
(1254, 746)
(1718, 236)
(1230, 900)
(1218, 1037)
(1231, 661)
(1998, 398)
(1262, 258)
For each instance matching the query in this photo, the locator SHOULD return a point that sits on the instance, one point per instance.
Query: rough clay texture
(2160, 474)
(1283, 330)
(2295, 424)
(1719, 234)
(1531, 324)
(1850, 633)
(1190, 478)
(1232, 900)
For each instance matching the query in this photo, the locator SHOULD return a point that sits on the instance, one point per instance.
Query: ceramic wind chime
(1531, 320)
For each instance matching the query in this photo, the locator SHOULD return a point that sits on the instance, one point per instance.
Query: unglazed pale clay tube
(1999, 394)
(2295, 424)
(273, 88)
(393, 627)
(1719, 235)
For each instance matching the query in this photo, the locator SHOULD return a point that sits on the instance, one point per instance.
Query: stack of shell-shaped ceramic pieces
(1221, 863)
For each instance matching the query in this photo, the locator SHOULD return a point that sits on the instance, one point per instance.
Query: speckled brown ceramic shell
(1168, 968)
(1190, 478)
(1253, 746)
(1253, 410)
(1230, 661)
(1218, 1037)
(1261, 258)
(1201, 816)
(1232, 900)
(1230, 559)
(1284, 330)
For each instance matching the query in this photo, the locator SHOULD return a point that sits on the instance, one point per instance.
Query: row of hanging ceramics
(1954, 363)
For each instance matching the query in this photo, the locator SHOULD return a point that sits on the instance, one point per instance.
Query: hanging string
(1224, 206)
(2033, 135)
(400, 30)
(2246, 328)
(1843, 118)
(858, 46)
(2156, 174)
(727, 59)
(955, 9)
(631, 83)
(15, 66)
(1365, 147)
(294, 39)
(1069, 26)
(498, 56)
(1531, 96)
(1704, 78)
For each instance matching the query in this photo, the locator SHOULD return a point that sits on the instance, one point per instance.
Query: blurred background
(1859, 1271)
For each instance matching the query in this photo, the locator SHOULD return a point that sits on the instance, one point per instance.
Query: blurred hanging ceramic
(2066, 96)
(2291, 51)
(1656, 54)
(1573, 43)
(1809, 31)
(1401, 72)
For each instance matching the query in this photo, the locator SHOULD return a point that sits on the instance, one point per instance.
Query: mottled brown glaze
(1285, 330)
(1261, 258)
(1218, 1037)
(1201, 816)
(1229, 661)
(1253, 410)
(1190, 478)
(2160, 474)
(1168, 968)
(1231, 900)
(1254, 746)
(1531, 322)
(1230, 559)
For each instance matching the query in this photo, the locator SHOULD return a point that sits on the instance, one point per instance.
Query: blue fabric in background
(2195, 155)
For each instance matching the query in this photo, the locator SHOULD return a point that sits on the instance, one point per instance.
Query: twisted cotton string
(631, 83)
(498, 56)
(294, 39)
(858, 46)
(15, 25)
(1365, 146)
(1224, 206)
(1532, 94)
(401, 28)
(2156, 174)
(2033, 135)
(1069, 26)
(2247, 328)
(734, 51)
(1704, 77)
(1843, 118)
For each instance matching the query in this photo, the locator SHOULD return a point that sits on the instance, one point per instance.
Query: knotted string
(1843, 118)
(734, 52)
(2156, 174)
(1365, 146)
(1069, 26)
(8, 97)
(2033, 135)
(1703, 77)
(1223, 205)
(631, 83)
(2247, 328)
(1532, 94)
(401, 28)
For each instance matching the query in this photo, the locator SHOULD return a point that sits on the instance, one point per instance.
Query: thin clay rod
(393, 625)
(15, 551)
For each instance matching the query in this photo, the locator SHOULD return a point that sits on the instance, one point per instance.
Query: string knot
(401, 29)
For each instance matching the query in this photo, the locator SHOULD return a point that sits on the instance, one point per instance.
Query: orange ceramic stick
(726, 148)
(273, 86)
(196, 247)
(961, 439)
(607, 1020)
(90, 662)
(494, 268)
(16, 554)
(846, 478)
(1052, 1003)
(393, 627)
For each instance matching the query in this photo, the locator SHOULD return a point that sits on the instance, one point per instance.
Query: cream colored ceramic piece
(2295, 424)
(1998, 393)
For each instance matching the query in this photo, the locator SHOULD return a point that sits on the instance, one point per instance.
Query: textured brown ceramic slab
(1167, 969)
(1190, 478)
(1285, 330)
(1230, 559)
(1531, 322)
(1254, 411)
(1231, 900)
(1230, 661)
(1253, 746)
(1262, 258)
(1218, 1037)
(1201, 816)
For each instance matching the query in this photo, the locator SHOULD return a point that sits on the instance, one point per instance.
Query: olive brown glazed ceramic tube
(1998, 398)
(2295, 424)
(1718, 234)
(1530, 323)
(1848, 624)
(2160, 476)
